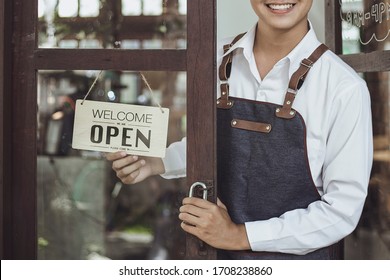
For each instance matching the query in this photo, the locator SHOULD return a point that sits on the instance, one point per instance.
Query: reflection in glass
(84, 211)
(110, 22)
(365, 25)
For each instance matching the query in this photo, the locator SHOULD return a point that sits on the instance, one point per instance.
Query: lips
(280, 7)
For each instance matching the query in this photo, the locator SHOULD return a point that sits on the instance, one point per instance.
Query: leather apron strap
(224, 74)
(294, 85)
(296, 82)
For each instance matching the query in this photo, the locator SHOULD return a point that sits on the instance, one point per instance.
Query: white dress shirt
(335, 105)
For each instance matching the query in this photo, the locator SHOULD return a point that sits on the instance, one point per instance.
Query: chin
(286, 23)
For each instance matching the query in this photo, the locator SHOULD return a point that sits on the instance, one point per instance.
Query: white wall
(237, 16)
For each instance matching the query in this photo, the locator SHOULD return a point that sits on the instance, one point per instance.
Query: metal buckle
(293, 91)
(307, 63)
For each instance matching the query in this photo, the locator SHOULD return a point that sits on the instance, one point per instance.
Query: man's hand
(133, 169)
(211, 223)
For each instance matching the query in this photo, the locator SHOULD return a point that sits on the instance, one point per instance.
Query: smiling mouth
(280, 7)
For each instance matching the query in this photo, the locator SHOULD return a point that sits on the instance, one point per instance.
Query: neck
(271, 45)
(277, 43)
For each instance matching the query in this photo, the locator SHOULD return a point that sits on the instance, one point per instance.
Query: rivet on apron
(234, 122)
(288, 102)
(277, 110)
(223, 93)
(268, 127)
(292, 113)
(218, 101)
(229, 103)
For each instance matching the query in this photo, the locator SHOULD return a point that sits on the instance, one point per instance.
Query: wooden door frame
(19, 226)
(5, 123)
(2, 14)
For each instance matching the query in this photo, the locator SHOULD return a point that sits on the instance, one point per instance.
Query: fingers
(190, 229)
(129, 174)
(197, 212)
(199, 202)
(115, 156)
(191, 214)
(127, 167)
(120, 163)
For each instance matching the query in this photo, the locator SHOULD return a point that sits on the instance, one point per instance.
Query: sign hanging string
(143, 78)
(151, 92)
(93, 84)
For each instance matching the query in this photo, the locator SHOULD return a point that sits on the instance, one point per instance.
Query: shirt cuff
(265, 243)
(175, 160)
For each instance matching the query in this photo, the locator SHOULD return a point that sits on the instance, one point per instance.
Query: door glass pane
(111, 23)
(84, 211)
(365, 25)
(371, 239)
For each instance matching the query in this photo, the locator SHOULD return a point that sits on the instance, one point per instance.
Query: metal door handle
(198, 184)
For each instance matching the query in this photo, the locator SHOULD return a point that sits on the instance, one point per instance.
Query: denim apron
(263, 169)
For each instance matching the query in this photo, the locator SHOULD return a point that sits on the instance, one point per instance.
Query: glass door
(69, 204)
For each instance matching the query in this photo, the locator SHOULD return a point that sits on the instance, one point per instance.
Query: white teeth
(280, 6)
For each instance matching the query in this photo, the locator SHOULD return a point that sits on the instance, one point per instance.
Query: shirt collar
(303, 50)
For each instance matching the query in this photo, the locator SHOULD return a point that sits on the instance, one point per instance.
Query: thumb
(220, 204)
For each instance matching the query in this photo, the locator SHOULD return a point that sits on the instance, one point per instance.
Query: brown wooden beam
(5, 127)
(127, 27)
(2, 123)
(23, 223)
(333, 34)
(201, 108)
(376, 61)
(91, 59)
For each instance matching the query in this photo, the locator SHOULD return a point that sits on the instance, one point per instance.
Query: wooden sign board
(113, 127)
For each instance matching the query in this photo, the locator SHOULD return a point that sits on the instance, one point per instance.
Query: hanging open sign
(112, 127)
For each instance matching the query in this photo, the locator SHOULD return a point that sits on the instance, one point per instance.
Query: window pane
(41, 8)
(89, 8)
(131, 7)
(103, 24)
(153, 7)
(365, 26)
(183, 7)
(84, 211)
(67, 8)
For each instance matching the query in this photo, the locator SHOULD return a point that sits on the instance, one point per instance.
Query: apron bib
(262, 163)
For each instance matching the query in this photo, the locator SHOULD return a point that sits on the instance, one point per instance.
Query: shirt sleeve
(346, 172)
(175, 160)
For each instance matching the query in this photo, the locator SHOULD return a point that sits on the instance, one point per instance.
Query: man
(294, 145)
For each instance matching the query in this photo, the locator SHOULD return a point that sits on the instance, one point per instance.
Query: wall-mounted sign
(112, 127)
